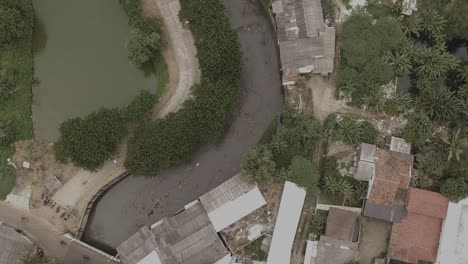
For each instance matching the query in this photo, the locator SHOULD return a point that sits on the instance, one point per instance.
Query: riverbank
(17, 57)
(138, 201)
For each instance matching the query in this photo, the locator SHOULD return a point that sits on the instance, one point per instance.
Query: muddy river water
(138, 201)
(80, 61)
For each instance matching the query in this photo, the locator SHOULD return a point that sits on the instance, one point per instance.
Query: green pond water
(80, 62)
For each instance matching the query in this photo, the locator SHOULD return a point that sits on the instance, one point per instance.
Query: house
(416, 237)
(339, 245)
(187, 237)
(13, 245)
(387, 188)
(195, 234)
(366, 162)
(287, 221)
(408, 7)
(306, 44)
(453, 245)
(400, 145)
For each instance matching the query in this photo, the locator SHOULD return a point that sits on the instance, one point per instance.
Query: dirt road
(138, 201)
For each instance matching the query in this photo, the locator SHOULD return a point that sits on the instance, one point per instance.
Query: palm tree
(346, 89)
(413, 25)
(279, 145)
(434, 62)
(433, 23)
(455, 145)
(332, 184)
(349, 130)
(441, 104)
(400, 61)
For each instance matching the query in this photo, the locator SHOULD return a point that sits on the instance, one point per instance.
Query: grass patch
(18, 58)
(162, 74)
(269, 132)
(254, 250)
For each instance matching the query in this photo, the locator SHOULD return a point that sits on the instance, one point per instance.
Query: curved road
(138, 201)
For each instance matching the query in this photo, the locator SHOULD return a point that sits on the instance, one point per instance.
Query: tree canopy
(12, 20)
(91, 140)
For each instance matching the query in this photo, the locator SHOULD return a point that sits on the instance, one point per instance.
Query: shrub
(88, 142)
(441, 104)
(139, 107)
(202, 119)
(7, 132)
(304, 173)
(258, 164)
(418, 129)
(318, 222)
(398, 104)
(12, 24)
(455, 189)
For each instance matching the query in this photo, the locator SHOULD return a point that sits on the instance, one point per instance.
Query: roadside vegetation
(379, 45)
(16, 22)
(203, 118)
(288, 156)
(38, 260)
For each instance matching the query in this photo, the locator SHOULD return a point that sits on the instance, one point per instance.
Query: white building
(453, 245)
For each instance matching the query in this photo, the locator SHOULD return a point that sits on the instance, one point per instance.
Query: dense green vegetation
(288, 155)
(379, 45)
(318, 223)
(15, 82)
(145, 40)
(203, 118)
(349, 130)
(91, 140)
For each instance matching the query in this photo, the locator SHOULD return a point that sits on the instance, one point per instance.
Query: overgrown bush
(364, 68)
(12, 18)
(418, 130)
(258, 164)
(203, 118)
(91, 140)
(318, 223)
(455, 189)
(349, 130)
(145, 37)
(139, 107)
(304, 173)
(142, 46)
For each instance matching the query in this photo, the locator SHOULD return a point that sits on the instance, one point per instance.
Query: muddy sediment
(138, 201)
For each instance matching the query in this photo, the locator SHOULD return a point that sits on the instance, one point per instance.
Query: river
(80, 62)
(138, 201)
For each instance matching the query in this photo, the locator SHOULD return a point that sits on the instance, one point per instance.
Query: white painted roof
(151, 258)
(234, 210)
(453, 246)
(289, 214)
(311, 252)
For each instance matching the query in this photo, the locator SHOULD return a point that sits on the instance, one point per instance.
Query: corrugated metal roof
(400, 145)
(287, 220)
(367, 152)
(225, 192)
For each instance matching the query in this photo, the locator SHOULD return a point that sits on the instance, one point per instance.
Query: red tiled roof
(393, 170)
(417, 236)
(427, 203)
